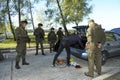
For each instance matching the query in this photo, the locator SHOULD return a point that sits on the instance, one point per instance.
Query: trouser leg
(57, 54)
(53, 46)
(98, 62)
(68, 55)
(90, 62)
(24, 57)
(37, 45)
(50, 47)
(42, 50)
(17, 61)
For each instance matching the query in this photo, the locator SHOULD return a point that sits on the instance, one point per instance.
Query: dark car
(81, 29)
(116, 30)
(110, 48)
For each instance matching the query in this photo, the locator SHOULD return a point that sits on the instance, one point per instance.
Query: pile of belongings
(76, 65)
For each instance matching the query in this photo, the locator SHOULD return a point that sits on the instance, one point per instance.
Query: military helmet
(60, 28)
(40, 24)
(25, 21)
(52, 28)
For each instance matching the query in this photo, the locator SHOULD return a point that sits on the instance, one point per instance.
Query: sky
(106, 13)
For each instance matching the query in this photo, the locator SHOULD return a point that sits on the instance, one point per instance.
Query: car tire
(103, 58)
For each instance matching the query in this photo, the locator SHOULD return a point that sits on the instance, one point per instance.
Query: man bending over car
(66, 43)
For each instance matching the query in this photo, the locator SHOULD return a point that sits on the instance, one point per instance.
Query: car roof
(81, 27)
(116, 30)
(111, 32)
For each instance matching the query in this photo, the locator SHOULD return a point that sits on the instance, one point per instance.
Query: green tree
(70, 11)
(9, 17)
(10, 8)
(75, 10)
(55, 12)
(30, 7)
(62, 16)
(3, 17)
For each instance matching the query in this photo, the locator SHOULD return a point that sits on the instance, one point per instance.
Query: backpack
(99, 34)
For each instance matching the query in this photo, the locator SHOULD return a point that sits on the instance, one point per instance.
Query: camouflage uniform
(60, 34)
(52, 39)
(94, 38)
(21, 39)
(39, 37)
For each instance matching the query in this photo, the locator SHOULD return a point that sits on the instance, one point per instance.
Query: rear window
(81, 29)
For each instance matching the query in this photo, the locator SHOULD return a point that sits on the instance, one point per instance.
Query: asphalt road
(40, 68)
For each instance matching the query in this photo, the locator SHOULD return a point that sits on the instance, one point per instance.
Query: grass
(10, 43)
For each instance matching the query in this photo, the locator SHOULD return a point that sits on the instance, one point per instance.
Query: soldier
(52, 39)
(21, 38)
(95, 37)
(39, 37)
(66, 43)
(60, 34)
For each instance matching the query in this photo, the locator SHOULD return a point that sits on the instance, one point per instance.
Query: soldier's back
(52, 36)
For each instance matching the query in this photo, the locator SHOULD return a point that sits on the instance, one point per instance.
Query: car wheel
(103, 58)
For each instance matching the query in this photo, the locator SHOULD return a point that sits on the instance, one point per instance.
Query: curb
(10, 50)
(107, 75)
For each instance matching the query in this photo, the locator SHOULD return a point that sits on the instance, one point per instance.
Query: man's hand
(99, 45)
(87, 45)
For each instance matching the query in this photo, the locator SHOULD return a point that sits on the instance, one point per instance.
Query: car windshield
(109, 37)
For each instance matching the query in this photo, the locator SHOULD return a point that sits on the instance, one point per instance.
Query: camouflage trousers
(37, 46)
(52, 44)
(94, 58)
(21, 52)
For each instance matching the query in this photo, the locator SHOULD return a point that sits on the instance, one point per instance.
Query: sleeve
(62, 34)
(43, 33)
(35, 32)
(89, 35)
(55, 37)
(48, 36)
(28, 38)
(17, 34)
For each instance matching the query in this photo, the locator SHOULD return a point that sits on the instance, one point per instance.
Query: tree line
(61, 12)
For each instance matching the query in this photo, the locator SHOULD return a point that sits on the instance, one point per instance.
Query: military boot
(43, 52)
(68, 62)
(36, 51)
(17, 65)
(24, 62)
